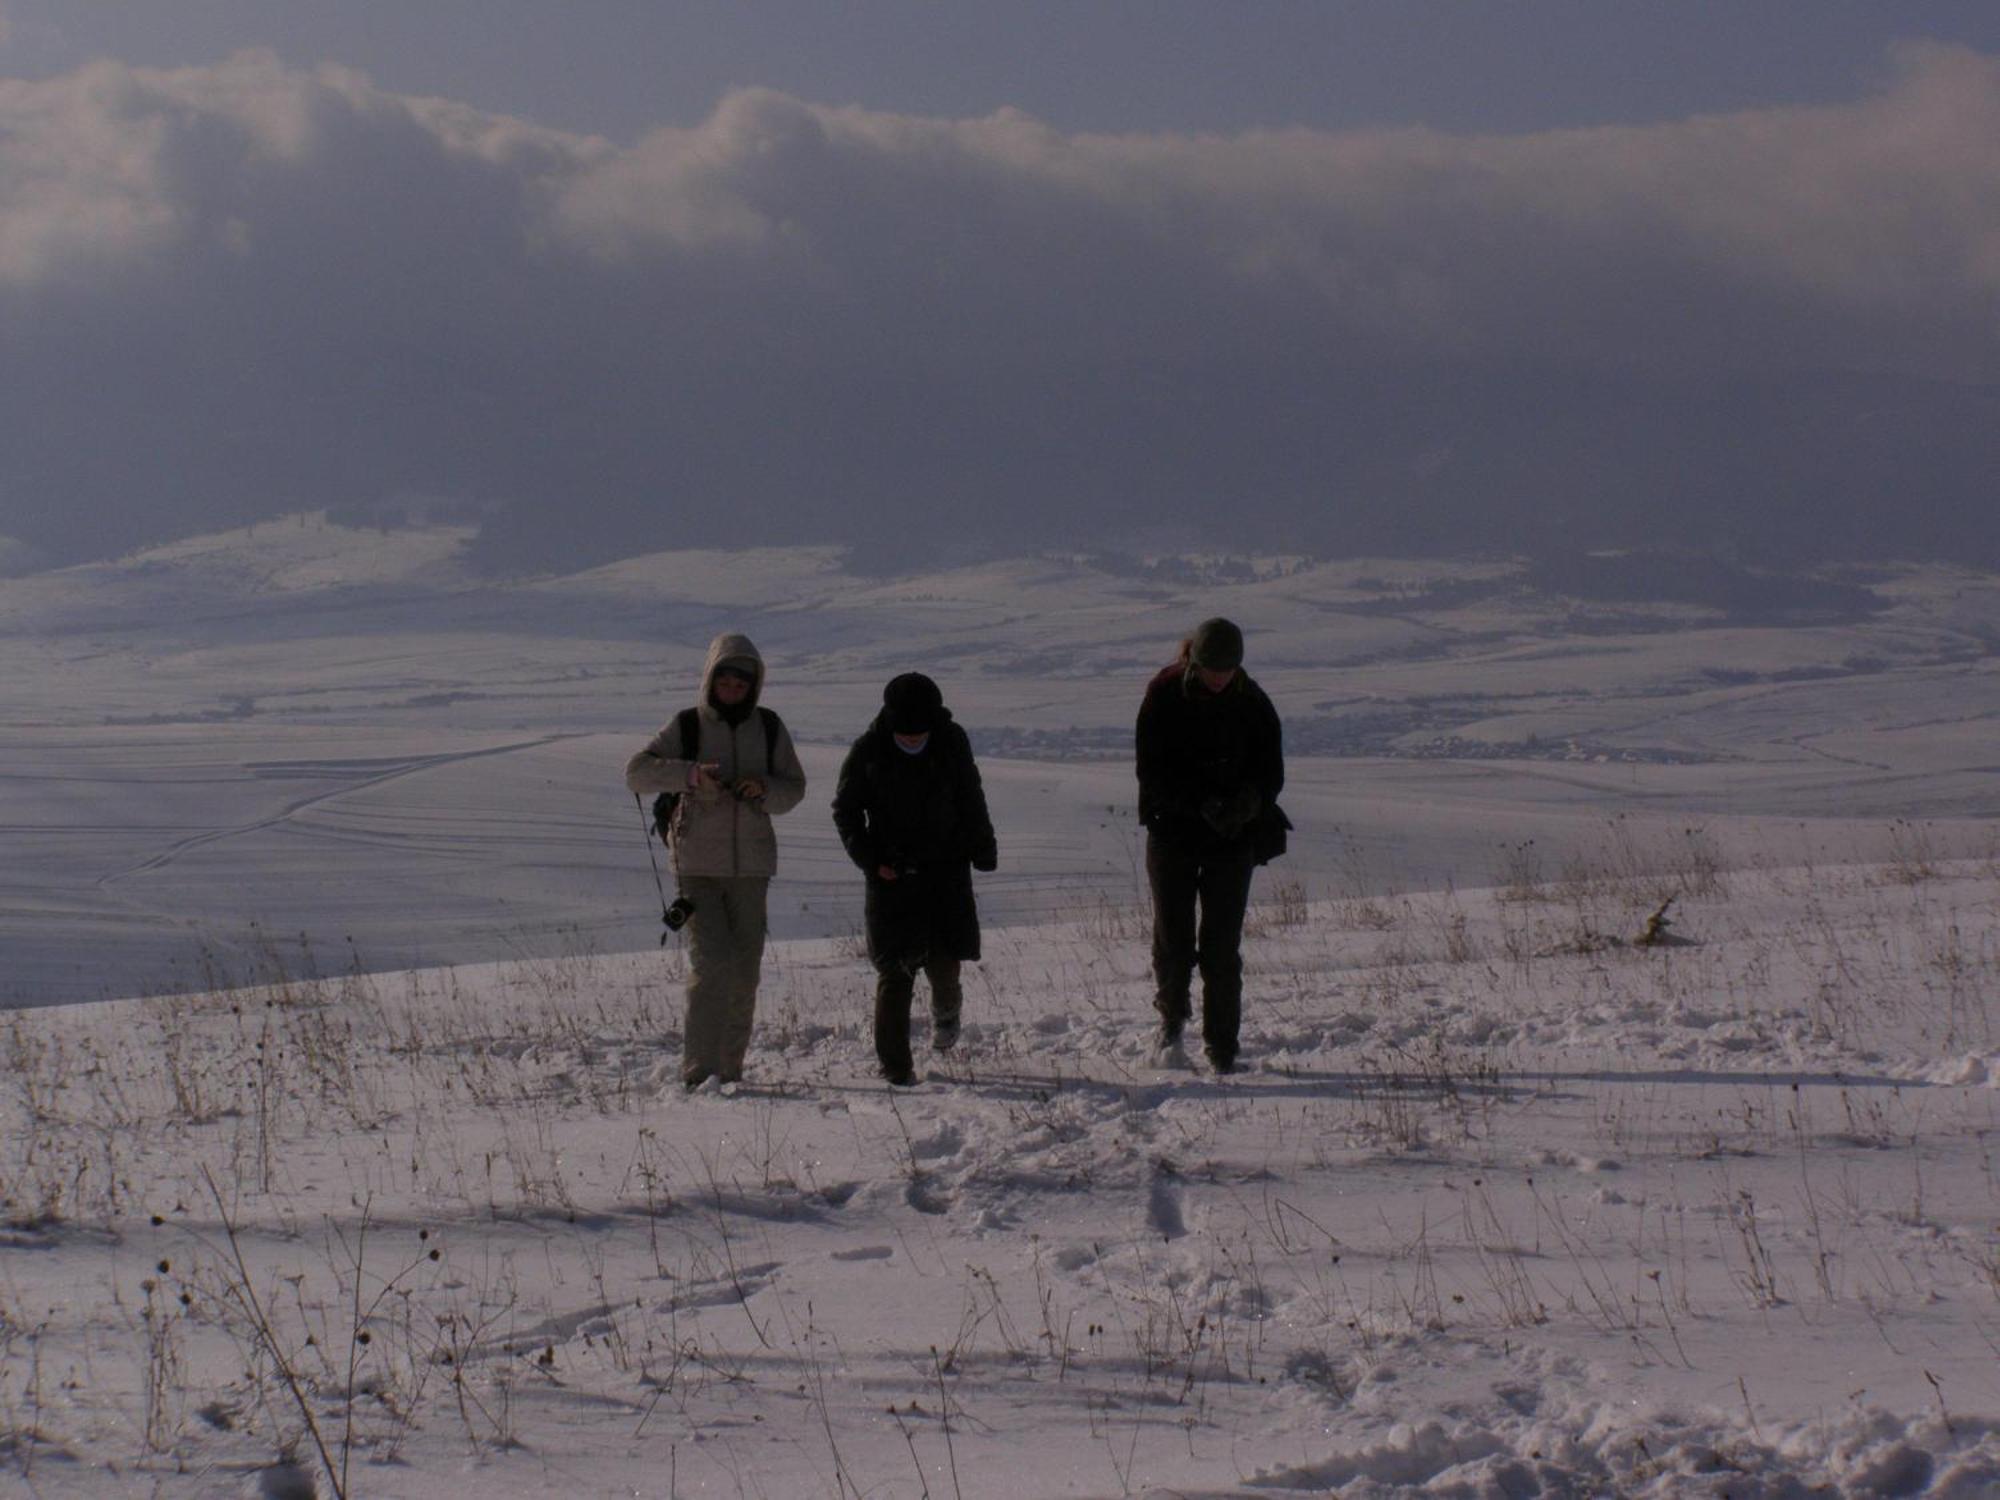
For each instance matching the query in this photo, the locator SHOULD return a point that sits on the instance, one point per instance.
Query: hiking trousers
(1198, 905)
(725, 953)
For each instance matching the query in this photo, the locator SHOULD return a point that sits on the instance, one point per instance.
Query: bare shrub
(1913, 856)
(1517, 874)
(1288, 906)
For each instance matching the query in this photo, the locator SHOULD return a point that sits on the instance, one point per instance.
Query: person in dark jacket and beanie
(1211, 763)
(912, 814)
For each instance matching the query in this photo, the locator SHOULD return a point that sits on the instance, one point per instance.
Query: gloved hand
(1230, 815)
(986, 860)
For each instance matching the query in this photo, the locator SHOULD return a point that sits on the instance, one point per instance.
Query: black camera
(676, 916)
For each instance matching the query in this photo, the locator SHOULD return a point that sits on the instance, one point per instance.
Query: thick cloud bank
(241, 289)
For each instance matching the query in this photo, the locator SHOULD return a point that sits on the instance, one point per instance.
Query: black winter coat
(924, 816)
(1223, 752)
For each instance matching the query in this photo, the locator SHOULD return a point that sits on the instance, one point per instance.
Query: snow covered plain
(1502, 1207)
(345, 734)
(1505, 1204)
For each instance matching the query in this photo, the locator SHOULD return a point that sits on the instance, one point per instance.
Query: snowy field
(1504, 1205)
(379, 1177)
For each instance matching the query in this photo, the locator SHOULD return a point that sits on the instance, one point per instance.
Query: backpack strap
(771, 727)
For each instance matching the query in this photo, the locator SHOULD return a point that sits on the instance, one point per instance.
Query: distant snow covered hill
(352, 737)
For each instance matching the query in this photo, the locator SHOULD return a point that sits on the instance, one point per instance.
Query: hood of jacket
(721, 649)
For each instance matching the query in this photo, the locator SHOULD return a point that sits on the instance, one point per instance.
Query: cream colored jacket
(714, 832)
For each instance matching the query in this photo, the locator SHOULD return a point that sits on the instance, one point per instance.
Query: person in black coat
(1211, 763)
(912, 815)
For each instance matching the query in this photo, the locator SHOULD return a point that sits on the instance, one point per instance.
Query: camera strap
(666, 927)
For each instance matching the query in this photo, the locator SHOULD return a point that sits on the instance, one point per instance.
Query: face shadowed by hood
(736, 652)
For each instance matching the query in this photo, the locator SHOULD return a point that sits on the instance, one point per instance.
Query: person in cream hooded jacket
(738, 777)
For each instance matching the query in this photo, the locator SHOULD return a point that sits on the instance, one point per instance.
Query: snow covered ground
(1505, 1204)
(382, 1177)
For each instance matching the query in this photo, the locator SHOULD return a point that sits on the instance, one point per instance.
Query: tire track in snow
(291, 810)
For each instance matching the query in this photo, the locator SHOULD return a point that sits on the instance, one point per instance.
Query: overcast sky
(620, 275)
(621, 67)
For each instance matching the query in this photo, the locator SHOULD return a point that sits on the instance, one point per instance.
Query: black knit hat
(913, 703)
(1217, 645)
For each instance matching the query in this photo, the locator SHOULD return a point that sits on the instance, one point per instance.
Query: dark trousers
(1198, 905)
(895, 987)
